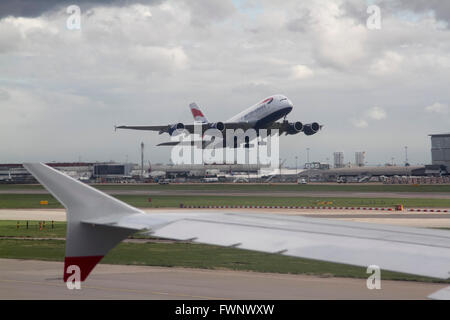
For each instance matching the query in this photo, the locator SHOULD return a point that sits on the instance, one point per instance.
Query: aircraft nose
(286, 103)
(288, 107)
(289, 104)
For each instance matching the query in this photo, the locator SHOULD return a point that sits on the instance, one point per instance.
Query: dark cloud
(4, 95)
(35, 8)
(440, 8)
(300, 22)
(204, 12)
(356, 9)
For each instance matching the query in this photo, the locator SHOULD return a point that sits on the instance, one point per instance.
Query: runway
(410, 219)
(318, 194)
(20, 279)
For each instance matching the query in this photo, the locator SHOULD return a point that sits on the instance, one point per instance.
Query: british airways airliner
(263, 115)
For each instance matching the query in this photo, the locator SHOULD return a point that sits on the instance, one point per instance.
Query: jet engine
(311, 128)
(294, 128)
(219, 126)
(173, 128)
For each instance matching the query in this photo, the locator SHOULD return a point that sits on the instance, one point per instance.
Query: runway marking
(115, 289)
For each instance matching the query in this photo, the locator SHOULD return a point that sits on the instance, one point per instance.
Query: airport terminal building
(440, 149)
(316, 171)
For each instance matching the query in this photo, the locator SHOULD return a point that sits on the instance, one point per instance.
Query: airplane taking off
(263, 115)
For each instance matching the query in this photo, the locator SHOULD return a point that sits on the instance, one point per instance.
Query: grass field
(175, 255)
(196, 256)
(10, 228)
(12, 201)
(257, 187)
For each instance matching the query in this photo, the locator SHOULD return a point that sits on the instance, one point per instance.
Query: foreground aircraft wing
(96, 222)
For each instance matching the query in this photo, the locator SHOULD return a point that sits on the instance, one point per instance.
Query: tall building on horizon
(338, 159)
(360, 159)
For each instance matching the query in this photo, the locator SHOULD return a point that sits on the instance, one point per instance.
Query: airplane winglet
(86, 265)
(86, 244)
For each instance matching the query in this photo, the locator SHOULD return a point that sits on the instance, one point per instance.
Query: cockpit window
(283, 99)
(268, 100)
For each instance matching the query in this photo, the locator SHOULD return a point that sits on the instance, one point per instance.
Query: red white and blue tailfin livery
(197, 113)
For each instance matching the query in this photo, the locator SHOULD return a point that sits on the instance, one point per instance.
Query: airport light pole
(280, 168)
(296, 166)
(142, 160)
(307, 155)
(406, 156)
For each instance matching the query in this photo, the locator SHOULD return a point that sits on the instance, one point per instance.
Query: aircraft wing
(282, 127)
(189, 127)
(193, 143)
(408, 250)
(295, 127)
(239, 125)
(147, 128)
(97, 222)
(278, 126)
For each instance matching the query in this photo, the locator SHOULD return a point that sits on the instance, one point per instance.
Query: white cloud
(155, 58)
(359, 123)
(390, 62)
(301, 72)
(376, 113)
(338, 41)
(438, 108)
(143, 11)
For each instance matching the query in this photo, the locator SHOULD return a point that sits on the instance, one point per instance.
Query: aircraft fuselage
(265, 112)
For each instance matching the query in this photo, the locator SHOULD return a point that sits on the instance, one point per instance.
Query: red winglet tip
(86, 264)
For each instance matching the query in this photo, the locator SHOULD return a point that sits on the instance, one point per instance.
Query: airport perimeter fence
(417, 180)
(397, 208)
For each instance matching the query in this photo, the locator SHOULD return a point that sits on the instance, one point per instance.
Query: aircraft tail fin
(86, 244)
(197, 113)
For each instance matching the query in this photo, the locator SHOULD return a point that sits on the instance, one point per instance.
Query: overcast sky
(142, 62)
